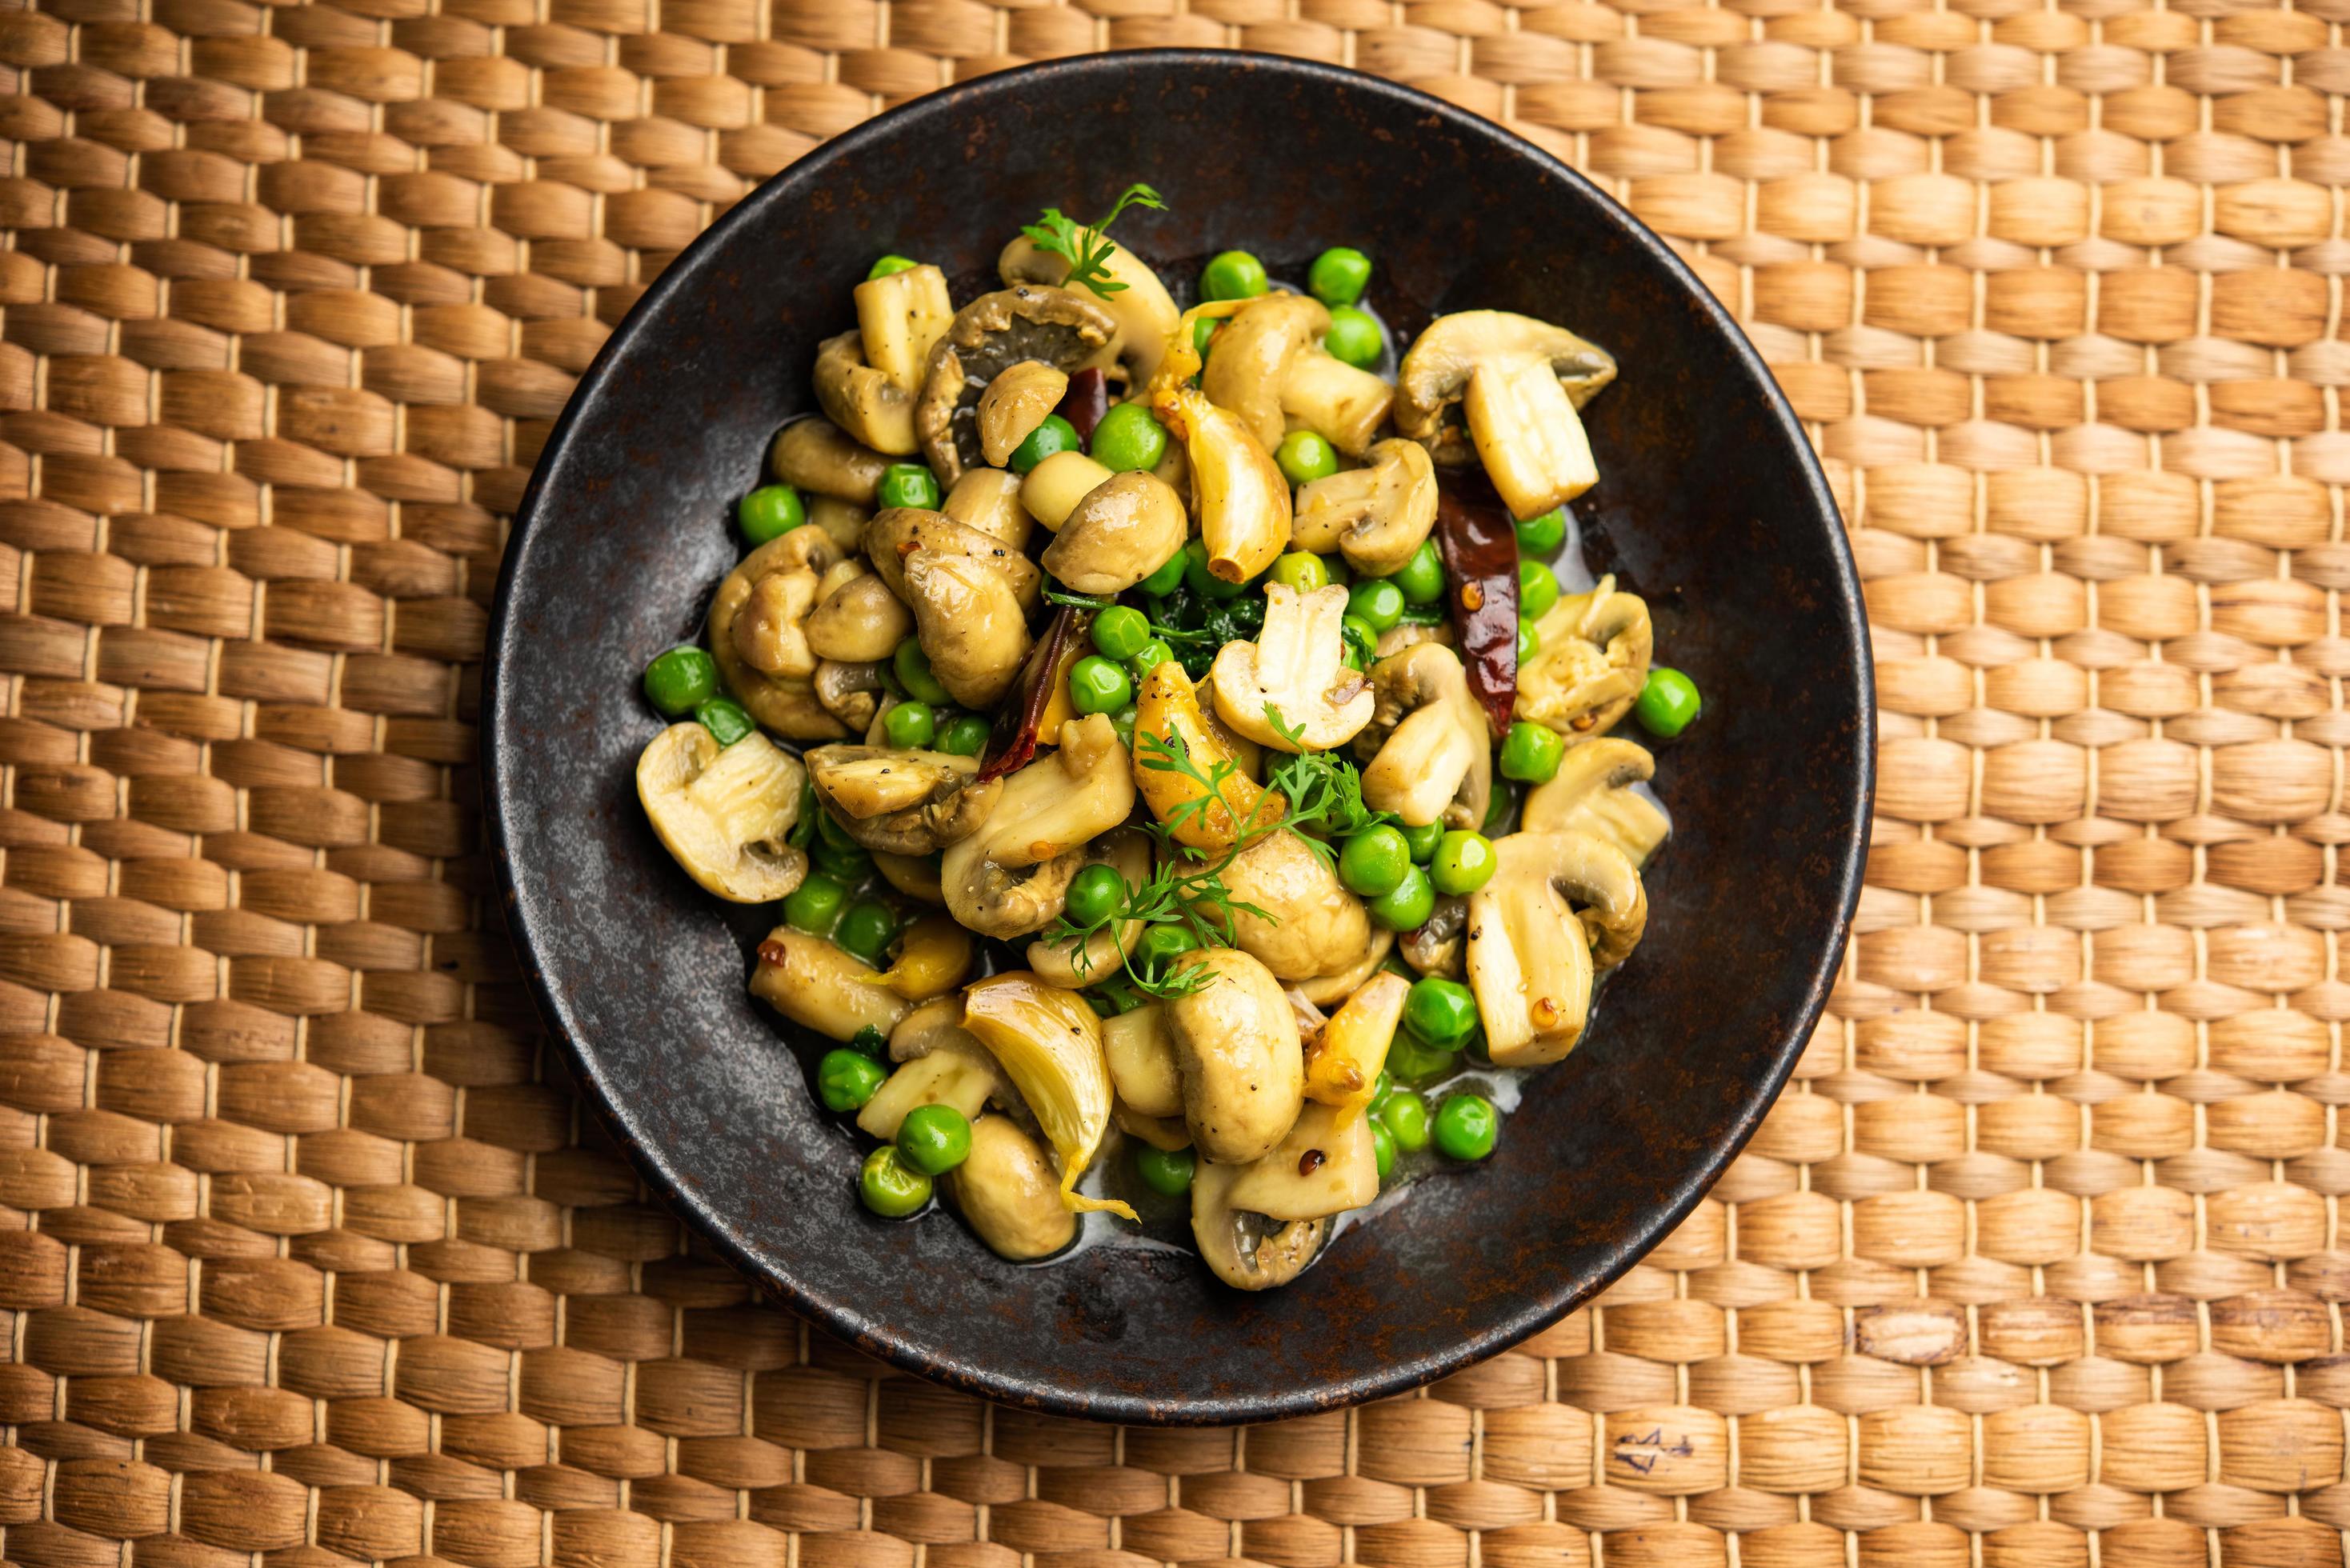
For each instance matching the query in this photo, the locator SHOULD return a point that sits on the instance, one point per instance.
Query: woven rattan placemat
(309, 1253)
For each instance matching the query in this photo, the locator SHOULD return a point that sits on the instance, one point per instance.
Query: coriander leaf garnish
(1087, 247)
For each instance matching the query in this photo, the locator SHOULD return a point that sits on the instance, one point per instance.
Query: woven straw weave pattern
(306, 1250)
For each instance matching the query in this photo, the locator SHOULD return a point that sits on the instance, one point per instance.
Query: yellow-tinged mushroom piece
(934, 956)
(1237, 494)
(1342, 1061)
(1168, 709)
(723, 811)
(1048, 1041)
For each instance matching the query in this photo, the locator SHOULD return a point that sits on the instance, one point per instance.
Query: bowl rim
(1539, 1311)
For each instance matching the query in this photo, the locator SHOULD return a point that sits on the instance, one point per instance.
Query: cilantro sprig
(1089, 246)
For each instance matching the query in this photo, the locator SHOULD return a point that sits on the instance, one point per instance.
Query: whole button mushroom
(1124, 529)
(1518, 382)
(818, 456)
(1006, 1191)
(1237, 1048)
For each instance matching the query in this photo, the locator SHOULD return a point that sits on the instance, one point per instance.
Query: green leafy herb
(1087, 247)
(1059, 596)
(1325, 791)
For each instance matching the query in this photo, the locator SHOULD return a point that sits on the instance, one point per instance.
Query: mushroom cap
(859, 622)
(1592, 663)
(868, 406)
(1237, 1047)
(1295, 668)
(1010, 879)
(850, 693)
(1434, 374)
(1316, 926)
(1006, 1191)
(895, 532)
(971, 622)
(1125, 528)
(723, 811)
(814, 982)
(814, 454)
(903, 802)
(1245, 1251)
(1333, 986)
(1376, 515)
(1254, 352)
(989, 335)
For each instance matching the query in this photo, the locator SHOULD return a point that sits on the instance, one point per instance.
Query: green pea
(1095, 895)
(912, 668)
(1055, 435)
(1302, 570)
(1154, 653)
(888, 265)
(890, 1187)
(1667, 703)
(1383, 1088)
(866, 932)
(1531, 753)
(911, 724)
(1354, 338)
(1306, 457)
(1407, 1119)
(1128, 436)
(1466, 1127)
(1542, 535)
(1166, 1171)
(1414, 1061)
(1537, 589)
(1362, 638)
(1463, 863)
(934, 1139)
(1441, 1012)
(1422, 577)
(1376, 601)
(1373, 862)
(1120, 632)
(845, 1080)
(1423, 841)
(1339, 275)
(1408, 905)
(814, 905)
(1529, 643)
(1203, 581)
(848, 866)
(909, 484)
(1166, 577)
(681, 680)
(769, 511)
(832, 835)
(1203, 332)
(724, 720)
(1123, 722)
(1098, 686)
(1232, 275)
(964, 735)
(1503, 800)
(870, 1041)
(1383, 1148)
(1161, 944)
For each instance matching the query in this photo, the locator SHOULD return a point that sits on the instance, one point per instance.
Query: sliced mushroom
(1237, 1048)
(1073, 965)
(1315, 927)
(1054, 487)
(814, 983)
(1593, 792)
(1428, 757)
(970, 625)
(1144, 310)
(1248, 1252)
(1375, 516)
(1048, 1041)
(1139, 1049)
(852, 693)
(893, 535)
(723, 811)
(816, 454)
(1529, 958)
(1291, 688)
(899, 318)
(1010, 877)
(858, 622)
(934, 956)
(758, 639)
(988, 499)
(1124, 530)
(1435, 947)
(1021, 398)
(903, 801)
(1007, 1192)
(868, 406)
(1342, 1061)
(1168, 718)
(1519, 382)
(1326, 1166)
(1271, 370)
(950, 1069)
(989, 335)
(1238, 495)
(1593, 662)
(1332, 987)
(916, 876)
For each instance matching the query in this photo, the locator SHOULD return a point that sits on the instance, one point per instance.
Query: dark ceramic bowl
(1711, 505)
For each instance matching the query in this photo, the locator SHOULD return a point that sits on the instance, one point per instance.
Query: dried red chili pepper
(1480, 590)
(1013, 741)
(1086, 401)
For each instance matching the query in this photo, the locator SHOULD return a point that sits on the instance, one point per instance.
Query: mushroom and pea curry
(1179, 769)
